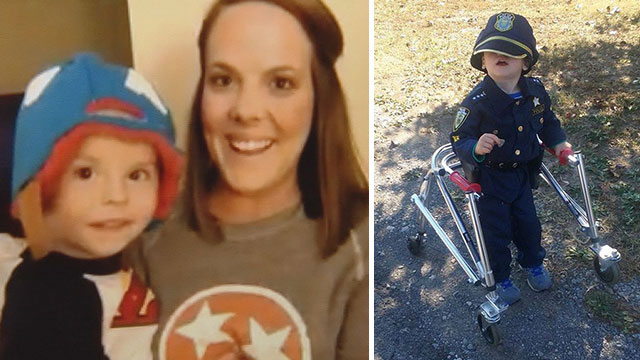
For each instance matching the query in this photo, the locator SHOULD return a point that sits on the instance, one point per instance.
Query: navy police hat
(508, 34)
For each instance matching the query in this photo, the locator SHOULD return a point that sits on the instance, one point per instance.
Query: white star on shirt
(536, 101)
(205, 329)
(263, 346)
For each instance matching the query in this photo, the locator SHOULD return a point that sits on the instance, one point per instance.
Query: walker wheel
(414, 243)
(489, 331)
(609, 276)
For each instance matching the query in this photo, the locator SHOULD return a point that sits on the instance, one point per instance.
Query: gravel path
(424, 307)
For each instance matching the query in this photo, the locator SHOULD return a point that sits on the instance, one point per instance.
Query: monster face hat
(507, 34)
(86, 96)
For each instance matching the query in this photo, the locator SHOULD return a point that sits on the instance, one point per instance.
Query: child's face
(106, 197)
(501, 67)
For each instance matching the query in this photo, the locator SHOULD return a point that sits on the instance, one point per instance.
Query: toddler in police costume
(94, 164)
(497, 130)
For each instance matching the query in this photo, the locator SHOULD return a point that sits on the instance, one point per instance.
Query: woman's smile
(249, 146)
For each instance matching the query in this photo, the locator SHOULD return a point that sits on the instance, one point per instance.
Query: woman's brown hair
(333, 186)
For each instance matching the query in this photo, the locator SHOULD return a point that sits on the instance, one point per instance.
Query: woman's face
(257, 97)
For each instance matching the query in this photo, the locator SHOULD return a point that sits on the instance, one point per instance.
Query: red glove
(563, 157)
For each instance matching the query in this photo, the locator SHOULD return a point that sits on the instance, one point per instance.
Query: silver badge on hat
(504, 21)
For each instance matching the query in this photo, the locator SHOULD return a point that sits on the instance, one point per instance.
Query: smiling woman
(256, 111)
(269, 249)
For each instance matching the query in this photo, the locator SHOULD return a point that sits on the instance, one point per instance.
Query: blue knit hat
(86, 90)
(507, 34)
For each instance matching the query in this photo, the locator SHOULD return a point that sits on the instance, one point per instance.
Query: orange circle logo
(235, 322)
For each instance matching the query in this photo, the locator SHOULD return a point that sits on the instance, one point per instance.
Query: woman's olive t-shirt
(264, 291)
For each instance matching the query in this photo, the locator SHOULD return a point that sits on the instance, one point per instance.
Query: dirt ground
(424, 308)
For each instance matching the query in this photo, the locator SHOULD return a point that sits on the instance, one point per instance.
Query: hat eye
(38, 84)
(136, 83)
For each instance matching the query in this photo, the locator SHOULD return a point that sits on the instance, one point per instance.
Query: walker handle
(464, 184)
(565, 157)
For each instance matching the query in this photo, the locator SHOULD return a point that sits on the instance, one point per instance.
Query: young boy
(94, 164)
(497, 130)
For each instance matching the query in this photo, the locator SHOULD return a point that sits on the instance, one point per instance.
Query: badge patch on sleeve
(461, 116)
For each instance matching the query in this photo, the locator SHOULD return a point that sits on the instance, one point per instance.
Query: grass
(580, 253)
(629, 205)
(607, 307)
(413, 174)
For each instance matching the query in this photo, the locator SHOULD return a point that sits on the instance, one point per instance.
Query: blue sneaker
(538, 278)
(507, 291)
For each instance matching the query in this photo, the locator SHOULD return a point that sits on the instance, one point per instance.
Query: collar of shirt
(498, 98)
(58, 264)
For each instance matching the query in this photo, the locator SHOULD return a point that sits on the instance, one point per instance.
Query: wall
(37, 33)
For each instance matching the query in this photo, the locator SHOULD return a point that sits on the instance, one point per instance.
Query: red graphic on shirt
(137, 307)
(235, 322)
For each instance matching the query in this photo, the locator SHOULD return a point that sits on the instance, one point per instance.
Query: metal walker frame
(444, 164)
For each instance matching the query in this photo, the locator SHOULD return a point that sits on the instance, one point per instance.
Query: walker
(444, 164)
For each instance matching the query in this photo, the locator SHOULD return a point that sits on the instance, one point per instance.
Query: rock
(469, 303)
(435, 345)
(471, 347)
(391, 228)
(393, 145)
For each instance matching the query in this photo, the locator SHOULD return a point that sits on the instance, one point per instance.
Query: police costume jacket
(60, 307)
(519, 122)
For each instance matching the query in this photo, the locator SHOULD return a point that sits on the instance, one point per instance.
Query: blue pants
(504, 222)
